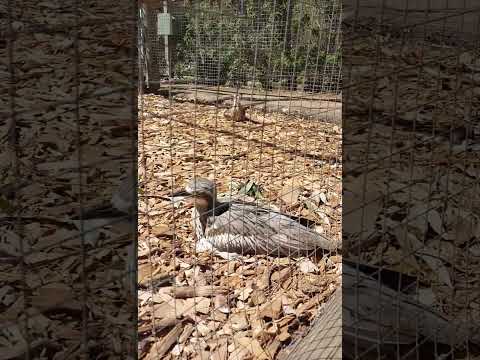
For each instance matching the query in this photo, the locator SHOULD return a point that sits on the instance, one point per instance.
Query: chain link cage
(243, 96)
(410, 183)
(246, 45)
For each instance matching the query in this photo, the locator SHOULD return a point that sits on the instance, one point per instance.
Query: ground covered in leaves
(198, 306)
(65, 72)
(411, 194)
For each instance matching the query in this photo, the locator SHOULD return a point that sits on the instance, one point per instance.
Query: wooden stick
(198, 291)
(166, 322)
(160, 348)
(187, 331)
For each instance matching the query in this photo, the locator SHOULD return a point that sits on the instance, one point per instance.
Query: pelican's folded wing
(235, 231)
(246, 229)
(293, 236)
(375, 310)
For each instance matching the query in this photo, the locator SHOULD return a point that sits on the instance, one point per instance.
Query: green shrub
(267, 43)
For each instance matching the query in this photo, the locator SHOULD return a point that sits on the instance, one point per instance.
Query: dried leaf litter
(199, 306)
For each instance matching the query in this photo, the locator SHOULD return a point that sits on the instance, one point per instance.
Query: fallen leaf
(435, 221)
(239, 321)
(290, 195)
(439, 269)
(281, 275)
(221, 353)
(306, 266)
(258, 297)
(203, 329)
(244, 294)
(283, 336)
(323, 198)
(272, 309)
(143, 273)
(55, 295)
(254, 347)
(360, 218)
(221, 304)
(426, 296)
(161, 229)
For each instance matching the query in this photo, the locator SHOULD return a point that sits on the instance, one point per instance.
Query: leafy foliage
(283, 42)
(250, 188)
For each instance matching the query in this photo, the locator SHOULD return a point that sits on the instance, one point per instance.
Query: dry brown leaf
(285, 320)
(258, 297)
(435, 221)
(239, 321)
(221, 304)
(264, 281)
(221, 352)
(254, 347)
(440, 271)
(161, 229)
(203, 329)
(272, 309)
(143, 272)
(187, 331)
(290, 195)
(409, 245)
(281, 275)
(323, 198)
(463, 230)
(244, 294)
(160, 348)
(218, 316)
(19, 349)
(283, 336)
(361, 218)
(197, 304)
(197, 291)
(258, 326)
(273, 347)
(306, 266)
(172, 309)
(55, 295)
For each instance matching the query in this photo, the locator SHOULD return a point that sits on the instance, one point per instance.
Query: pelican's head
(200, 192)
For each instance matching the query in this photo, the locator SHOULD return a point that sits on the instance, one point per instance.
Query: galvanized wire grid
(284, 155)
(247, 41)
(410, 180)
(70, 74)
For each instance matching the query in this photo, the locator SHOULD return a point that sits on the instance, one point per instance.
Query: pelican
(120, 209)
(242, 228)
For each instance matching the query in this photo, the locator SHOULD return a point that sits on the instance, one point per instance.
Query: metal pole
(167, 47)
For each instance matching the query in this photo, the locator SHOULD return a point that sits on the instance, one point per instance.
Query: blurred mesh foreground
(245, 94)
(68, 119)
(410, 181)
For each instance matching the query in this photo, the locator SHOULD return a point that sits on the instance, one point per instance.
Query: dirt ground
(324, 107)
(254, 306)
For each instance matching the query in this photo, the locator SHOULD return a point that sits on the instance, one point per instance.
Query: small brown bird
(237, 112)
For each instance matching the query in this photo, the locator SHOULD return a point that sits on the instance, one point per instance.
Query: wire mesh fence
(248, 106)
(68, 83)
(240, 183)
(286, 45)
(411, 180)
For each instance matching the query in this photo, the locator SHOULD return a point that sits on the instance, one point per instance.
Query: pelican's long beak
(181, 195)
